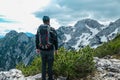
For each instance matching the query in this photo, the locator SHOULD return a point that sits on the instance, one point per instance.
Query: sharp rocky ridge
(87, 32)
(14, 48)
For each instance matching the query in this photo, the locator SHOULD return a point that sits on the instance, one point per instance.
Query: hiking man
(46, 45)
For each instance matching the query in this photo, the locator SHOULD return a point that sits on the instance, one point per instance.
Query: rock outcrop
(107, 69)
(15, 74)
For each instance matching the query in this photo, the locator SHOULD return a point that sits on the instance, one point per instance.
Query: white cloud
(66, 12)
(18, 7)
(54, 23)
(25, 14)
(21, 12)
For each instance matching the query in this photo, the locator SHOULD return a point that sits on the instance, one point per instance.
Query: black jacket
(55, 40)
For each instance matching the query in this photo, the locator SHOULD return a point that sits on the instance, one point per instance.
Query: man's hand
(56, 52)
(38, 51)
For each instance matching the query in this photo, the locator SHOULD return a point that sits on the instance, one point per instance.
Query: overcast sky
(25, 15)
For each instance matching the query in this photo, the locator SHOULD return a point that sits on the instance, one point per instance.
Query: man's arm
(55, 41)
(37, 42)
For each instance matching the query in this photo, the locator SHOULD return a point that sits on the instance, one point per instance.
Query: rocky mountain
(87, 32)
(16, 47)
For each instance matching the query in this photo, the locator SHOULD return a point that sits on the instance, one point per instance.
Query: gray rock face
(14, 48)
(77, 35)
(109, 69)
(15, 74)
(87, 32)
(110, 30)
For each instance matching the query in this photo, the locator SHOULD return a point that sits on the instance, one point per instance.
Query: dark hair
(46, 19)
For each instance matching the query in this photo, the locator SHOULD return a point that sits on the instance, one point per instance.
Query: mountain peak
(16, 47)
(89, 22)
(12, 33)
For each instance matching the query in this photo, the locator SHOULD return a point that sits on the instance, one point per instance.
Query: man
(47, 54)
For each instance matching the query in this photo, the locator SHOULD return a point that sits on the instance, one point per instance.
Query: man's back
(46, 36)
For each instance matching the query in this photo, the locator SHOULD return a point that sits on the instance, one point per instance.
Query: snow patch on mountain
(82, 40)
(112, 35)
(68, 37)
(93, 30)
(103, 39)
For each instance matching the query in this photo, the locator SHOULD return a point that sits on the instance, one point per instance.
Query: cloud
(2, 20)
(68, 11)
(18, 15)
(25, 15)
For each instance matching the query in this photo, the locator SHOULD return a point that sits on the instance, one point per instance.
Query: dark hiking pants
(47, 64)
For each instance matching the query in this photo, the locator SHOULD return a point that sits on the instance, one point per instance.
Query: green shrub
(109, 48)
(71, 64)
(32, 69)
(74, 64)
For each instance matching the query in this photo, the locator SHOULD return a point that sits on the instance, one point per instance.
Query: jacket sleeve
(37, 39)
(55, 42)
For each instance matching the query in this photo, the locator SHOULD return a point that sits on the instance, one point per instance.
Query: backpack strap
(48, 37)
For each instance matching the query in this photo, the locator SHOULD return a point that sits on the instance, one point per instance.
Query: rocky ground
(107, 69)
(15, 74)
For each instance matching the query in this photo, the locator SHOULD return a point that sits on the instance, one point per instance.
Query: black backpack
(45, 37)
